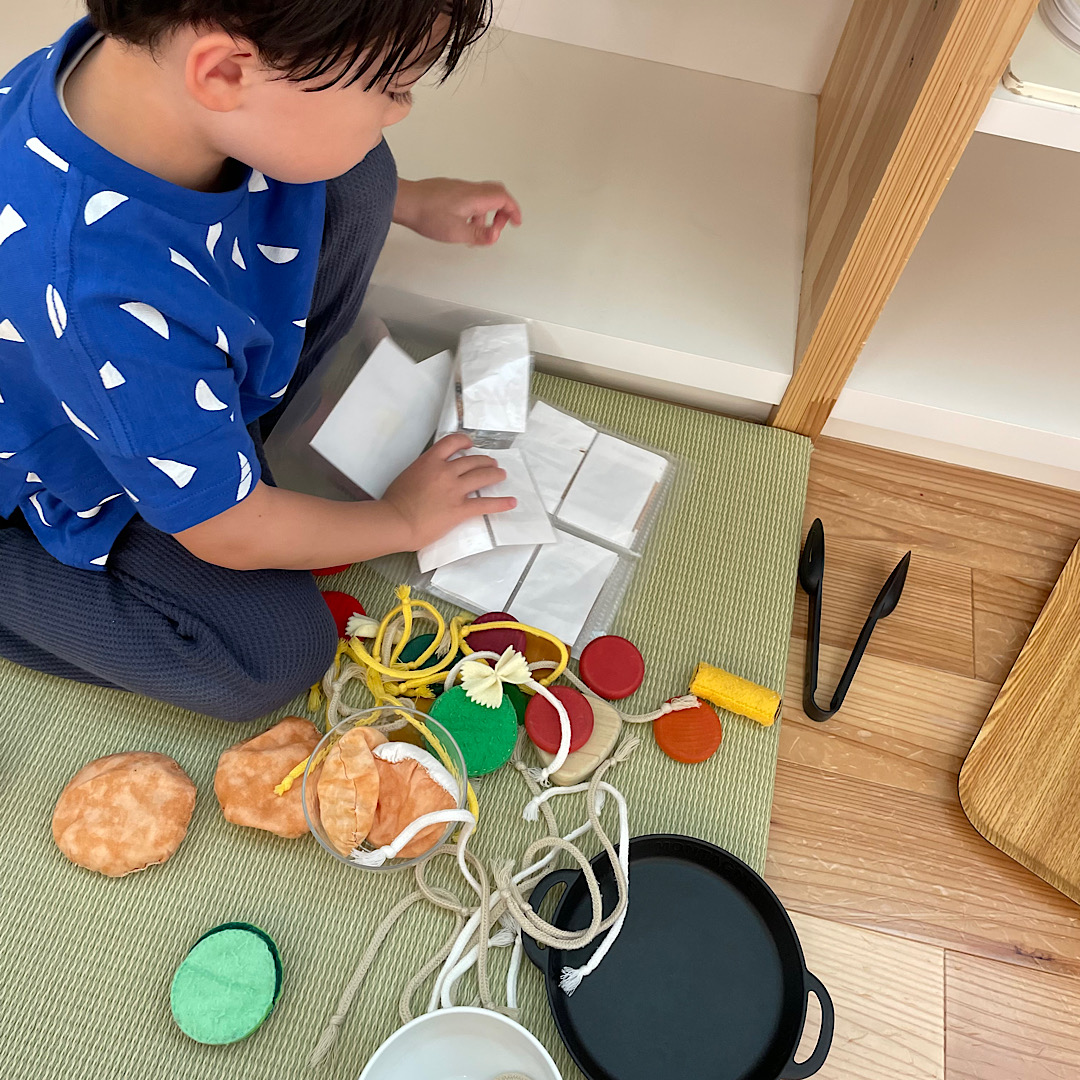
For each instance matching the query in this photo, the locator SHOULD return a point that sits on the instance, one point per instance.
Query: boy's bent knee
(285, 648)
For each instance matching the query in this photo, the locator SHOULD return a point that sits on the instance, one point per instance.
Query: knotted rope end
(570, 980)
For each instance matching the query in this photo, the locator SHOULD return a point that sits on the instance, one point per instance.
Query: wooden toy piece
(486, 737)
(496, 641)
(342, 606)
(581, 764)
(329, 571)
(611, 667)
(736, 695)
(689, 735)
(542, 721)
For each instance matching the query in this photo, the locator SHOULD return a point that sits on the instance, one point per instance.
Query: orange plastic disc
(689, 735)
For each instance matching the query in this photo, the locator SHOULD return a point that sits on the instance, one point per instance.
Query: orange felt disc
(537, 649)
(689, 735)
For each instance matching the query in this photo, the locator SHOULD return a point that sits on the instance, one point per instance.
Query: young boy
(193, 194)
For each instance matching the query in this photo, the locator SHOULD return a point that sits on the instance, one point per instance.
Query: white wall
(786, 43)
(30, 24)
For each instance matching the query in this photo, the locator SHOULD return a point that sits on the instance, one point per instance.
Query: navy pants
(160, 622)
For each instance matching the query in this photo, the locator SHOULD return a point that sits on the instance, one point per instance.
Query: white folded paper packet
(611, 490)
(527, 523)
(562, 585)
(495, 367)
(486, 581)
(386, 416)
(554, 445)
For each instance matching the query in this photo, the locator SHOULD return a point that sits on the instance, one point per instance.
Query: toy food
(330, 571)
(348, 790)
(542, 721)
(689, 735)
(247, 772)
(736, 695)
(343, 607)
(411, 783)
(485, 736)
(123, 813)
(611, 667)
(227, 985)
(581, 764)
(497, 641)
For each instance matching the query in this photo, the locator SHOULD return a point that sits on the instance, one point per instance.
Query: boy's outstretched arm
(284, 530)
(456, 211)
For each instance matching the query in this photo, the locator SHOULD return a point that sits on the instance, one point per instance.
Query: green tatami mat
(87, 961)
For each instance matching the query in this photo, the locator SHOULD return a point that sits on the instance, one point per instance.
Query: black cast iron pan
(706, 981)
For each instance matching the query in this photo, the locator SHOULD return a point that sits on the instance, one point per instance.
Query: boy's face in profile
(300, 136)
(286, 128)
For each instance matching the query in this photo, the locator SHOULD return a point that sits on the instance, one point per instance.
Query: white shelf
(665, 214)
(786, 43)
(980, 342)
(1027, 120)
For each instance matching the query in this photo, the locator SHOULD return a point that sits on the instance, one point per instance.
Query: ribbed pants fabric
(159, 622)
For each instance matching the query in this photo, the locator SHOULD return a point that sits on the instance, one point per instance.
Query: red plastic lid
(496, 641)
(542, 721)
(328, 571)
(343, 607)
(611, 667)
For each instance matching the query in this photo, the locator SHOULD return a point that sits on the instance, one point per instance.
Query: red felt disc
(689, 735)
(611, 667)
(329, 571)
(343, 607)
(542, 721)
(496, 641)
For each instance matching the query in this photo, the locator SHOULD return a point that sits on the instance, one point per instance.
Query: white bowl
(460, 1044)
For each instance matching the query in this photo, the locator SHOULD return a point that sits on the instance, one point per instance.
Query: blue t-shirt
(142, 326)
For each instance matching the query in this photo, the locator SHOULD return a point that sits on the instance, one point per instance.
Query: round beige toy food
(411, 783)
(248, 772)
(348, 789)
(123, 813)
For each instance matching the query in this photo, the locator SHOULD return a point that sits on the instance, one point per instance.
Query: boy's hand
(432, 494)
(456, 211)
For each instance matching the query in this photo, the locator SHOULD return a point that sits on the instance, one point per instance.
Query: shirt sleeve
(157, 400)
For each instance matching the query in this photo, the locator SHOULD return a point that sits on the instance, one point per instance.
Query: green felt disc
(518, 698)
(413, 650)
(227, 985)
(485, 736)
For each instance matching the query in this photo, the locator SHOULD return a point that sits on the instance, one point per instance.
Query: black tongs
(811, 576)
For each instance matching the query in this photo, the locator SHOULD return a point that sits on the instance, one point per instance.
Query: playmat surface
(87, 961)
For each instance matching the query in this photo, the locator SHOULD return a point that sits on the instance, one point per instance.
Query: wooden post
(909, 82)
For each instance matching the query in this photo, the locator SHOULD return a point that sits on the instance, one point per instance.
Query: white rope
(379, 856)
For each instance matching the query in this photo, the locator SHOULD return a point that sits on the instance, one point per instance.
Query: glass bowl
(437, 737)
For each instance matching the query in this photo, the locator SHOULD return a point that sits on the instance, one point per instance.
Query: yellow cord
(564, 655)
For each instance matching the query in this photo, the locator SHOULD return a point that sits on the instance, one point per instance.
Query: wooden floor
(945, 958)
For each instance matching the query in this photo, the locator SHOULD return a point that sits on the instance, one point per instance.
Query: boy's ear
(218, 71)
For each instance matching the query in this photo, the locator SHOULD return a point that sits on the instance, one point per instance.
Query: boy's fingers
(495, 506)
(449, 445)
(471, 462)
(482, 478)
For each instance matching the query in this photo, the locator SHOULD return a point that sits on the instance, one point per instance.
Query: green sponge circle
(486, 737)
(226, 986)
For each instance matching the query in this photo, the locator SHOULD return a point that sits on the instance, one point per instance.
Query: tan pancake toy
(412, 783)
(348, 789)
(246, 772)
(123, 813)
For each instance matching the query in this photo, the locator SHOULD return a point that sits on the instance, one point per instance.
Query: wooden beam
(909, 82)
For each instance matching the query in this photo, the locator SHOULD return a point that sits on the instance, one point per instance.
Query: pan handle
(799, 1070)
(537, 953)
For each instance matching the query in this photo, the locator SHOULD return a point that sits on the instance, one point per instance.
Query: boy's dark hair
(322, 42)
